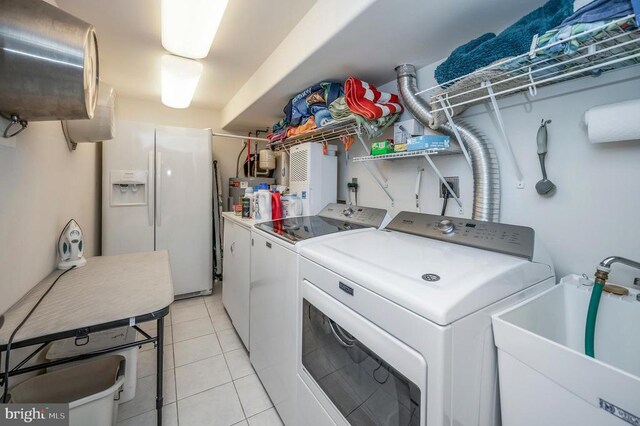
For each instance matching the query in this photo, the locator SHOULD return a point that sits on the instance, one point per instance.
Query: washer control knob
(446, 226)
(347, 212)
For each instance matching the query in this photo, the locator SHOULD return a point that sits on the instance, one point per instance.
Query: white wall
(42, 186)
(596, 208)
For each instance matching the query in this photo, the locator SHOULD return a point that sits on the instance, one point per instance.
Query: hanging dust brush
(70, 247)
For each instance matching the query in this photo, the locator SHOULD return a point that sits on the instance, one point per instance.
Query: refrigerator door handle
(150, 196)
(158, 188)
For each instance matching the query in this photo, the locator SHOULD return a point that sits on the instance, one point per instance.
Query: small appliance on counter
(70, 247)
(313, 176)
(238, 186)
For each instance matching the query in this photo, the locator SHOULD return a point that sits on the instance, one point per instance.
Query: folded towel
(577, 4)
(374, 128)
(513, 41)
(339, 110)
(569, 38)
(322, 117)
(277, 135)
(297, 109)
(604, 10)
(279, 125)
(307, 126)
(369, 102)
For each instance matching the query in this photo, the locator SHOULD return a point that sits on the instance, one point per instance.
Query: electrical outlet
(454, 183)
(353, 185)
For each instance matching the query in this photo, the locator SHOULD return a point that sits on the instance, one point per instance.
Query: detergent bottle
(276, 206)
(249, 195)
(263, 203)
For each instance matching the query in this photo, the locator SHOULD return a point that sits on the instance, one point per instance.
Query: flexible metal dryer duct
(484, 162)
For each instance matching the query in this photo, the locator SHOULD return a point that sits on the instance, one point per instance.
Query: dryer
(274, 292)
(395, 324)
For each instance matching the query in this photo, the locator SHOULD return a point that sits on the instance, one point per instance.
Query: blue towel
(513, 41)
(297, 110)
(322, 117)
(604, 10)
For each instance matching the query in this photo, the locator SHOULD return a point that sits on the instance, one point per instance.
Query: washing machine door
(359, 373)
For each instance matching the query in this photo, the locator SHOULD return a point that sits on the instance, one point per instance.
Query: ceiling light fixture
(189, 26)
(179, 78)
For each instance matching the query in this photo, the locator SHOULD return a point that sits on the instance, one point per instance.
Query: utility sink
(545, 377)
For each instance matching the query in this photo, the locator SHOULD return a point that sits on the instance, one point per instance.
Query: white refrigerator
(157, 195)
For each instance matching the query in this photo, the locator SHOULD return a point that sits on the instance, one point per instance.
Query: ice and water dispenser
(129, 188)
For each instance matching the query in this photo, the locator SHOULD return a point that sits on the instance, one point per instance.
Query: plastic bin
(91, 390)
(102, 340)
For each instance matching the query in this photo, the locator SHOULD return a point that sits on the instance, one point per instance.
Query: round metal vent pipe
(484, 162)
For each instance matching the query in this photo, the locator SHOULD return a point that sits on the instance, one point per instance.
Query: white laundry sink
(545, 378)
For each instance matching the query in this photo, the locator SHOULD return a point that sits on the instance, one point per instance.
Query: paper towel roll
(102, 126)
(614, 122)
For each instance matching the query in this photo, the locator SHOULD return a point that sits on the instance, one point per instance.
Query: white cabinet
(273, 322)
(236, 276)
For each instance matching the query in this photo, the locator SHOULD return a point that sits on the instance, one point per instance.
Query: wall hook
(13, 120)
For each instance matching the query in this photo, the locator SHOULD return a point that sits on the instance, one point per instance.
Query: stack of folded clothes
(562, 27)
(340, 111)
(327, 102)
(594, 20)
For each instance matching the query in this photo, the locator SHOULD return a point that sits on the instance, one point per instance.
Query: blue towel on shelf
(298, 110)
(322, 117)
(604, 10)
(513, 41)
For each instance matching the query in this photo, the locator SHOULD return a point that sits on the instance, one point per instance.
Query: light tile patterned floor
(208, 378)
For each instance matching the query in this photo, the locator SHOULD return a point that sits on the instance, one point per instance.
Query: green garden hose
(590, 328)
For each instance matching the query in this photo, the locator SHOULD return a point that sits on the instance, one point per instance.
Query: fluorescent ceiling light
(180, 78)
(189, 26)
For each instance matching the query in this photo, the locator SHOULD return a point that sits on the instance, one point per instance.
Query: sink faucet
(602, 272)
(602, 275)
(617, 259)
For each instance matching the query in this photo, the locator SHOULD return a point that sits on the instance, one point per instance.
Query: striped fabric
(366, 100)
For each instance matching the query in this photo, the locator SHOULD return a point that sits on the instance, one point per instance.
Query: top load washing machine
(274, 292)
(395, 324)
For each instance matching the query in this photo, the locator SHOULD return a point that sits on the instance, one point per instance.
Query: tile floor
(208, 378)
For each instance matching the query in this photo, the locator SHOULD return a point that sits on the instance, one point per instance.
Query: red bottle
(276, 206)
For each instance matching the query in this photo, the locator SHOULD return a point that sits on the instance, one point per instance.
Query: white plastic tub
(102, 340)
(545, 378)
(91, 390)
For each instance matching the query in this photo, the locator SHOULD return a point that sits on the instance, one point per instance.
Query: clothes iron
(70, 247)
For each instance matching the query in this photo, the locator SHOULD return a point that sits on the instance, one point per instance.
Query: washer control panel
(366, 216)
(499, 237)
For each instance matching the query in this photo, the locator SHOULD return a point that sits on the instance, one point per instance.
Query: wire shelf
(611, 46)
(408, 154)
(328, 133)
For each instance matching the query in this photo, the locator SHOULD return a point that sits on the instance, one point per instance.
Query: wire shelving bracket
(380, 179)
(505, 138)
(449, 116)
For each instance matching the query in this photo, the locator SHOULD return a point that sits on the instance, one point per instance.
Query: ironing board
(109, 292)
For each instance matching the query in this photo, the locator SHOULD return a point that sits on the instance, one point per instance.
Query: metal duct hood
(484, 162)
(48, 63)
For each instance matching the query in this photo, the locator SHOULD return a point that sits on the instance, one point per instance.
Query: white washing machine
(395, 324)
(274, 292)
